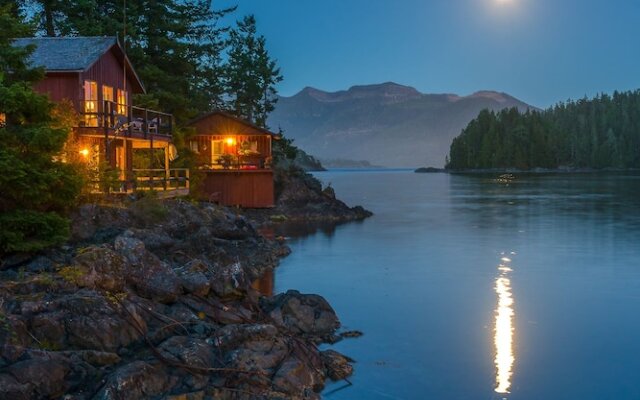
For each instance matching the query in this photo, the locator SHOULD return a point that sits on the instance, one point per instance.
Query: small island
(429, 170)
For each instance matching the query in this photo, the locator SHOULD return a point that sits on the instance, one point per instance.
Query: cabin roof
(236, 119)
(73, 54)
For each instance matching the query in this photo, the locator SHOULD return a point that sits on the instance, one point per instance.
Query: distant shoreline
(540, 171)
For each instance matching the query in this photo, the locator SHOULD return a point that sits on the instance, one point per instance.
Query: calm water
(466, 287)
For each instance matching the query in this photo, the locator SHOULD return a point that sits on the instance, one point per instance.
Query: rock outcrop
(161, 309)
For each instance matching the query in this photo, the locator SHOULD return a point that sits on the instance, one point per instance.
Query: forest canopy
(603, 132)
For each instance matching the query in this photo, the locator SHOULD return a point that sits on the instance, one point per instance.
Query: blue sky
(541, 51)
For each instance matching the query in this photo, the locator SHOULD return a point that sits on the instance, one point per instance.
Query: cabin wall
(108, 70)
(61, 87)
(249, 189)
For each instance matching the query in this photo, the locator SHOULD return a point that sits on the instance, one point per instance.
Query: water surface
(469, 288)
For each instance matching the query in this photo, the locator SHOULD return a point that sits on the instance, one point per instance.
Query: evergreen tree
(603, 132)
(251, 74)
(34, 188)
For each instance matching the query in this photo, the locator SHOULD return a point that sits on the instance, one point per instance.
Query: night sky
(541, 51)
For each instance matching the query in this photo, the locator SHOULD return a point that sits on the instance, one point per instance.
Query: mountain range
(385, 124)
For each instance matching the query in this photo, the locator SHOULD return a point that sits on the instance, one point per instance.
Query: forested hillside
(603, 132)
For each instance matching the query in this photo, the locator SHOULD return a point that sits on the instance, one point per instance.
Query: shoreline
(533, 171)
(159, 299)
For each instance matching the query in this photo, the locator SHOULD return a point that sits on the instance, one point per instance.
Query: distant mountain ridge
(386, 124)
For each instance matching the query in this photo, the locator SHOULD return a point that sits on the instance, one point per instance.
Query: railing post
(151, 163)
(112, 114)
(129, 110)
(145, 123)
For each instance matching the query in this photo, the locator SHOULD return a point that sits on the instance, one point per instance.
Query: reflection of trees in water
(594, 198)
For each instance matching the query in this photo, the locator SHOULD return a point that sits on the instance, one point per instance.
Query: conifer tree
(35, 189)
(251, 74)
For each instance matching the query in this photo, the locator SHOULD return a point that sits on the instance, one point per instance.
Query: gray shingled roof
(66, 53)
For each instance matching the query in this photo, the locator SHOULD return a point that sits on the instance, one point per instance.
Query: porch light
(84, 153)
(231, 141)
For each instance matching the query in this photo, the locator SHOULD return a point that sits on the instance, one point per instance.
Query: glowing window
(90, 103)
(123, 102)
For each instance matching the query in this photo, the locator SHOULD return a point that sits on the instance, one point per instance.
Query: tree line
(603, 132)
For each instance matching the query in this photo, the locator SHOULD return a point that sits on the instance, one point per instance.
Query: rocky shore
(154, 300)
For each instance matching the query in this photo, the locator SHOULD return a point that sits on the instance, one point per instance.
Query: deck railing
(235, 162)
(159, 179)
(125, 119)
(173, 180)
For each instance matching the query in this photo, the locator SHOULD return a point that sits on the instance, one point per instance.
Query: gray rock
(307, 314)
(94, 323)
(294, 376)
(137, 380)
(233, 335)
(10, 388)
(337, 366)
(229, 280)
(150, 277)
(100, 267)
(196, 283)
(40, 264)
(45, 378)
(190, 352)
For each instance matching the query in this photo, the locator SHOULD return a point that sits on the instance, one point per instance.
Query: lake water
(470, 288)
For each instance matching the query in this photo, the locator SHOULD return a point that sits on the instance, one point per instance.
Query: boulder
(337, 366)
(98, 267)
(10, 388)
(40, 264)
(189, 352)
(137, 380)
(45, 378)
(150, 277)
(307, 314)
(93, 322)
(194, 279)
(229, 281)
(296, 377)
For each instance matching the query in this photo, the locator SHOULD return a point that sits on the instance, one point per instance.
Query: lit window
(123, 102)
(217, 147)
(107, 93)
(90, 103)
(3, 119)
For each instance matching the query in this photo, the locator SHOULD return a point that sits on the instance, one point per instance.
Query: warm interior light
(84, 152)
(231, 141)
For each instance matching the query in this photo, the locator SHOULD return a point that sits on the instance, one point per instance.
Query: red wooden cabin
(96, 77)
(235, 157)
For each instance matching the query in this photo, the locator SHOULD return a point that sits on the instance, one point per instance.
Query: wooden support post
(145, 123)
(151, 163)
(112, 115)
(167, 173)
(130, 128)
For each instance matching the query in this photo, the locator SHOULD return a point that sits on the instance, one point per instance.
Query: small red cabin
(235, 156)
(96, 77)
